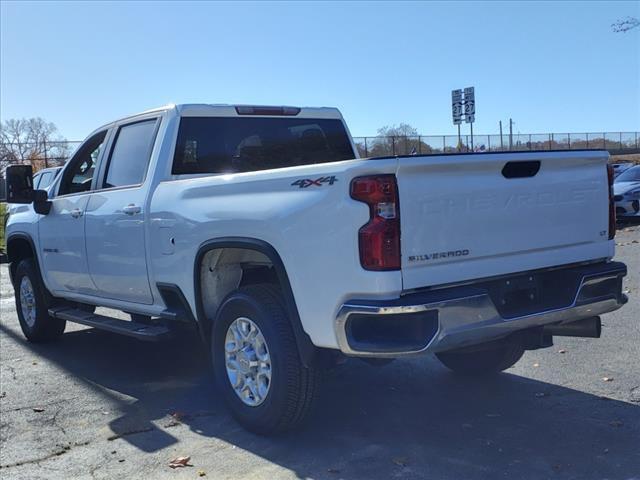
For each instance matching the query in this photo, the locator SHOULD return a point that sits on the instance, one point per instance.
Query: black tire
(292, 388)
(483, 361)
(44, 328)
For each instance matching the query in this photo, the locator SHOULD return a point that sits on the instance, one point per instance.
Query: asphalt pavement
(96, 405)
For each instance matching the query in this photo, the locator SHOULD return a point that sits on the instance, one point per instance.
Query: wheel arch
(306, 348)
(19, 247)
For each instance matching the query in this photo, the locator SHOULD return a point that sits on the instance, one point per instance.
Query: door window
(130, 154)
(79, 173)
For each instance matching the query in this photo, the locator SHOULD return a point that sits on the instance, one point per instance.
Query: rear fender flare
(306, 348)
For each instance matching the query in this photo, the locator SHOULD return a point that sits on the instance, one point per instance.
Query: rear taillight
(612, 205)
(379, 238)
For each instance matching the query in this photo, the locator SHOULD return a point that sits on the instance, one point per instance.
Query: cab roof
(228, 110)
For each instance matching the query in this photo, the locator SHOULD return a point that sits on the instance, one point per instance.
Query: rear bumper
(459, 316)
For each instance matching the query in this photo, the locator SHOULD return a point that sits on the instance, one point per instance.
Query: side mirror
(20, 189)
(19, 184)
(41, 203)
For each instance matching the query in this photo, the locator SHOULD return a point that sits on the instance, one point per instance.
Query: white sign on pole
(469, 105)
(456, 106)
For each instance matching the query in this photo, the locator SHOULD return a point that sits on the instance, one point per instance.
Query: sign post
(470, 109)
(463, 106)
(456, 111)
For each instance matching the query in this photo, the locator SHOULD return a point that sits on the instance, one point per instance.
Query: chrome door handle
(131, 209)
(76, 213)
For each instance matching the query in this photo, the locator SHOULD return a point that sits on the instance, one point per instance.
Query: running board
(150, 333)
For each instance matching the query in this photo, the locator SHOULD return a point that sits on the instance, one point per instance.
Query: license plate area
(534, 292)
(519, 294)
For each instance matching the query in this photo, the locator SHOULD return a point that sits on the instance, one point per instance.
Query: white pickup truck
(262, 228)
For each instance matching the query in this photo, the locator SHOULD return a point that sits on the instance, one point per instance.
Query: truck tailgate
(463, 219)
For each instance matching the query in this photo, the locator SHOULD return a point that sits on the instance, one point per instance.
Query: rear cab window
(217, 145)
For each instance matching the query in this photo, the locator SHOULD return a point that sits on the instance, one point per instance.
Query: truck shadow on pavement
(411, 418)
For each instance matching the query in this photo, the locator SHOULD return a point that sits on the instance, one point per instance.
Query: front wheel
(256, 362)
(482, 361)
(32, 304)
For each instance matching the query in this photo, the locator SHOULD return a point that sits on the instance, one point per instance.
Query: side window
(79, 172)
(36, 181)
(45, 180)
(130, 154)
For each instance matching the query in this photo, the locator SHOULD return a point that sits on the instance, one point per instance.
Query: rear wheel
(256, 362)
(481, 361)
(32, 304)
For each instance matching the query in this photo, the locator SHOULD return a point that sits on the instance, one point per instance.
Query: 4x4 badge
(308, 182)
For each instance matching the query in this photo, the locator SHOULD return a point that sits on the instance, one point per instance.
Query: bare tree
(31, 141)
(402, 130)
(625, 24)
(397, 140)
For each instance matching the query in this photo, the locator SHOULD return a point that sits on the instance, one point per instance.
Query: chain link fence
(615, 142)
(40, 155)
(51, 154)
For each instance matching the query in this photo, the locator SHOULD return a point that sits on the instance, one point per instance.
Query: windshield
(630, 175)
(230, 144)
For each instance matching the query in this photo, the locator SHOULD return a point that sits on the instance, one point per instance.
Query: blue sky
(551, 66)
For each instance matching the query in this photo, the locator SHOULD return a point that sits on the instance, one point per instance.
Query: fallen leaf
(202, 473)
(34, 363)
(608, 379)
(400, 461)
(562, 350)
(38, 409)
(178, 416)
(616, 423)
(113, 452)
(121, 460)
(179, 462)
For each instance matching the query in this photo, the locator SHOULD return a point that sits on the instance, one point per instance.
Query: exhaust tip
(587, 328)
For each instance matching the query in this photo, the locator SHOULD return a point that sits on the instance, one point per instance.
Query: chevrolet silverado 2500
(262, 228)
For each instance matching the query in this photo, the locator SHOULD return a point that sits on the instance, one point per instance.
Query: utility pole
(510, 134)
(501, 144)
(46, 161)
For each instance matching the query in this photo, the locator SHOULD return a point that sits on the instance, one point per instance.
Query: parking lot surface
(96, 405)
